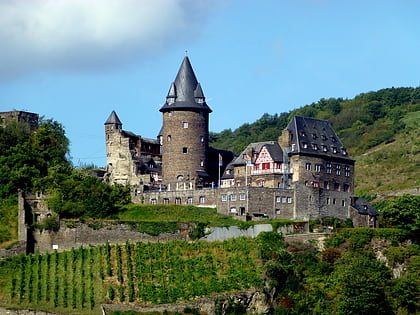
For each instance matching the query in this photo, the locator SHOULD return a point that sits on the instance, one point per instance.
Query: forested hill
(382, 127)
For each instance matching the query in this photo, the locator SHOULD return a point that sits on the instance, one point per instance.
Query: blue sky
(77, 60)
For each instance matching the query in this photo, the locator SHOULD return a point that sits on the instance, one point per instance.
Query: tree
(360, 282)
(403, 212)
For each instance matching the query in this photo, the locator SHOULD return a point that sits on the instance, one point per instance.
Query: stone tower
(118, 163)
(185, 129)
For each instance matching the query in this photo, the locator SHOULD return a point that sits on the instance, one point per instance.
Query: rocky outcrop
(253, 302)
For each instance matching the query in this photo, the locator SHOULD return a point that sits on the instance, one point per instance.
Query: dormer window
(343, 151)
(324, 148)
(315, 146)
(303, 133)
(305, 145)
(199, 100)
(170, 100)
(314, 136)
(324, 137)
(333, 139)
(334, 149)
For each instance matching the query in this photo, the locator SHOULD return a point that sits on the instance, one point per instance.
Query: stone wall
(236, 201)
(29, 119)
(73, 234)
(12, 311)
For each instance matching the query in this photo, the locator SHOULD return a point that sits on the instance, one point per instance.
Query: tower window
(308, 166)
(185, 124)
(201, 163)
(169, 138)
(185, 150)
(202, 139)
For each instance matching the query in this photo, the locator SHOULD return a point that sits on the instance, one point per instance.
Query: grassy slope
(8, 222)
(394, 166)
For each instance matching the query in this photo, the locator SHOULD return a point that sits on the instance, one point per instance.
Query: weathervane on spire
(186, 53)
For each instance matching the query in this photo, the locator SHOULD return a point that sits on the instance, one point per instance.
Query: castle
(306, 174)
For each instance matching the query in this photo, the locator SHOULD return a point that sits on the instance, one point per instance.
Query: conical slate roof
(185, 92)
(113, 119)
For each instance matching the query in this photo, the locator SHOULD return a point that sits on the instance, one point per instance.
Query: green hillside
(380, 130)
(296, 278)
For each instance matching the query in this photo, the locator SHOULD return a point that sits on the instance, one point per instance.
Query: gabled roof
(272, 146)
(275, 151)
(113, 119)
(363, 206)
(185, 92)
(315, 137)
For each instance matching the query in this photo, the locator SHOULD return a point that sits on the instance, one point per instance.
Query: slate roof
(363, 206)
(113, 119)
(315, 137)
(272, 147)
(185, 92)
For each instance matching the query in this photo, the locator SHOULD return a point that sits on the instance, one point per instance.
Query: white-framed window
(242, 196)
(202, 199)
(165, 201)
(153, 201)
(201, 163)
(308, 166)
(278, 199)
(343, 202)
(190, 200)
(224, 197)
(233, 197)
(347, 171)
(283, 199)
(328, 201)
(185, 125)
(289, 199)
(338, 169)
(169, 138)
(178, 200)
(317, 167)
(328, 168)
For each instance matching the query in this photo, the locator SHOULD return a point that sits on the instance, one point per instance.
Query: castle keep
(305, 174)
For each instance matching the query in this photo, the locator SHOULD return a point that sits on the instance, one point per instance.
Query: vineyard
(132, 273)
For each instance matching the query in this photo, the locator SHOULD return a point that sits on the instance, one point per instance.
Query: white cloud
(85, 34)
